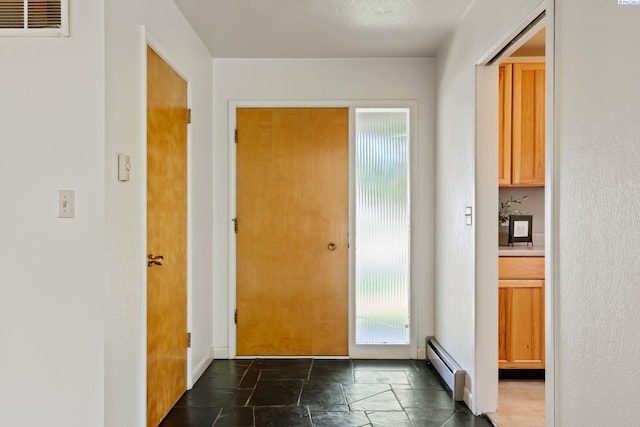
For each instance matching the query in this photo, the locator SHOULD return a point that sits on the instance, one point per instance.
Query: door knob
(332, 246)
(154, 260)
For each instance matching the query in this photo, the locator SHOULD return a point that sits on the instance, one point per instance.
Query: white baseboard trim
(422, 353)
(199, 369)
(220, 352)
(468, 396)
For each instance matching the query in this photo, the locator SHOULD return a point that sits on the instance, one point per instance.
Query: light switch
(468, 214)
(124, 167)
(66, 204)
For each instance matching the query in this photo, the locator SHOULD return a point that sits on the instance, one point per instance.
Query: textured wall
(51, 270)
(598, 285)
(456, 172)
(595, 259)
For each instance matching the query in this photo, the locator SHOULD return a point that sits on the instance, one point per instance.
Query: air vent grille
(32, 17)
(11, 14)
(45, 14)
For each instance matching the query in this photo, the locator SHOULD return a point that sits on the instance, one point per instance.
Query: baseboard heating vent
(448, 369)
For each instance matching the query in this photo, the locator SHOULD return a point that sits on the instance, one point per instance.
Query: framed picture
(520, 229)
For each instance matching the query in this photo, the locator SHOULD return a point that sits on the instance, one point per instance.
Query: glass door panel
(382, 226)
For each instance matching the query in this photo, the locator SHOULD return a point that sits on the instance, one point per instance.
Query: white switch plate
(468, 214)
(66, 204)
(124, 167)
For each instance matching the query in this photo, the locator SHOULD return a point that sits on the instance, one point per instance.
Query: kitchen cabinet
(521, 125)
(521, 313)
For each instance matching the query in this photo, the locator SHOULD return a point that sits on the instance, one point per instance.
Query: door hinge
(235, 317)
(235, 136)
(235, 225)
(189, 116)
(188, 339)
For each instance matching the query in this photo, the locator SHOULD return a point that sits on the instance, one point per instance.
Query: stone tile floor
(320, 393)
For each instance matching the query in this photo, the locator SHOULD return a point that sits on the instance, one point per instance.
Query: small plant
(505, 209)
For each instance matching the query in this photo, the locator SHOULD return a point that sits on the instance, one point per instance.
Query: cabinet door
(527, 136)
(504, 126)
(527, 326)
(521, 324)
(504, 305)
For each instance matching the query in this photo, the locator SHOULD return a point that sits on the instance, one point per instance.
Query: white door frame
(355, 351)
(486, 384)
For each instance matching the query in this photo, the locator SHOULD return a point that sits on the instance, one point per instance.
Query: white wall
(321, 80)
(51, 270)
(71, 310)
(125, 250)
(456, 284)
(598, 285)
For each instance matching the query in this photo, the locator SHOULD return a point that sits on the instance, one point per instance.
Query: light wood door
(504, 124)
(521, 312)
(527, 325)
(521, 324)
(528, 130)
(504, 325)
(166, 236)
(292, 204)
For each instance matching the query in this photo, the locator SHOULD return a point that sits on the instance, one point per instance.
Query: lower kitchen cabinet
(521, 313)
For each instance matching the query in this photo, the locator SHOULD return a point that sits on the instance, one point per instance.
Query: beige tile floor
(520, 404)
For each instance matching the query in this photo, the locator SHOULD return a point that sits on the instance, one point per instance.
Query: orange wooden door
(166, 237)
(528, 137)
(527, 324)
(292, 205)
(504, 322)
(504, 124)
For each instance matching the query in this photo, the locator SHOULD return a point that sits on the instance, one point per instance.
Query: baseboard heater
(448, 369)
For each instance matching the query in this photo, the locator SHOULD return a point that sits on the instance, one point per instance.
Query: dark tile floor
(320, 393)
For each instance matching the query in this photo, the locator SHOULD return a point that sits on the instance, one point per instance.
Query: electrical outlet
(66, 204)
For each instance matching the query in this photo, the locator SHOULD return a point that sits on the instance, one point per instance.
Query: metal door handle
(332, 246)
(154, 260)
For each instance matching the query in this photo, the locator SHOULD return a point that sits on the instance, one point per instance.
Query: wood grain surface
(166, 236)
(292, 202)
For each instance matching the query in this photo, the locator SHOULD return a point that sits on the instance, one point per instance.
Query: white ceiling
(323, 28)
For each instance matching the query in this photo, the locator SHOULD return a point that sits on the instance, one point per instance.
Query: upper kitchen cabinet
(521, 126)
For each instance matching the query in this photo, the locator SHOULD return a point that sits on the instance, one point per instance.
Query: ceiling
(535, 46)
(323, 28)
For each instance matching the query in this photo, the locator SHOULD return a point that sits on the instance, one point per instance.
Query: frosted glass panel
(382, 226)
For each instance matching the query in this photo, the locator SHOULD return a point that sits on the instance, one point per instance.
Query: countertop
(521, 250)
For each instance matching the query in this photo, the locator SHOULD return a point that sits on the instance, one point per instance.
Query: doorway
(404, 113)
(528, 298)
(167, 341)
(521, 279)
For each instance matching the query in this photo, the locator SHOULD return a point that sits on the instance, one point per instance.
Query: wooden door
(527, 324)
(528, 133)
(504, 124)
(166, 237)
(292, 206)
(521, 324)
(504, 322)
